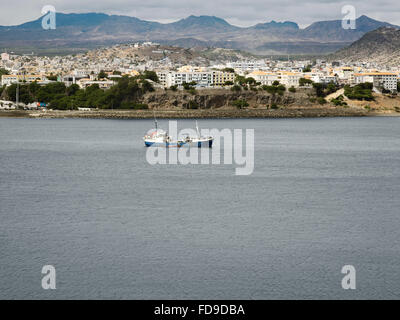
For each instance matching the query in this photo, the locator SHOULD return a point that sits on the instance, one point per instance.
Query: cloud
(237, 12)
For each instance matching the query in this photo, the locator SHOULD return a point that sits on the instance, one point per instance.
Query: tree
(24, 94)
(240, 104)
(102, 75)
(319, 89)
(305, 82)
(126, 93)
(241, 80)
(398, 86)
(189, 85)
(362, 91)
(236, 88)
(307, 68)
(51, 77)
(250, 81)
(3, 72)
(147, 86)
(230, 70)
(72, 89)
(275, 83)
(292, 89)
(277, 89)
(150, 75)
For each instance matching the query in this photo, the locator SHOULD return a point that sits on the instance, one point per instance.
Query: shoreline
(292, 112)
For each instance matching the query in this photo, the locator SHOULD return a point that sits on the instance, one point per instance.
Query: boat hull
(163, 144)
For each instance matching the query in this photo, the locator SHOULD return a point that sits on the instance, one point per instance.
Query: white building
(386, 80)
(290, 79)
(265, 78)
(13, 78)
(172, 78)
(248, 66)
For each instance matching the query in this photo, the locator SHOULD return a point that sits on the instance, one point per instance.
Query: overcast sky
(236, 12)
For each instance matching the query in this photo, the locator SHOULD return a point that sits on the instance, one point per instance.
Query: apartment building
(172, 78)
(290, 79)
(219, 78)
(385, 80)
(15, 78)
(248, 66)
(265, 78)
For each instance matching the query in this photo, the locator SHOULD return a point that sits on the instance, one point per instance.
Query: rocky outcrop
(222, 98)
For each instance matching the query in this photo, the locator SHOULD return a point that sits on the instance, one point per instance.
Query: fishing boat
(159, 138)
(198, 141)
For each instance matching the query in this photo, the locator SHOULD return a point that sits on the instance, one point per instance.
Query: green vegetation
(305, 82)
(174, 88)
(2, 89)
(241, 80)
(102, 75)
(339, 101)
(236, 88)
(276, 88)
(124, 95)
(362, 91)
(240, 104)
(292, 89)
(193, 105)
(52, 77)
(398, 86)
(245, 82)
(3, 72)
(230, 70)
(322, 101)
(150, 75)
(323, 89)
(307, 68)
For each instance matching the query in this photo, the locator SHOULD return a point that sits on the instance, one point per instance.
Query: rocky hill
(381, 46)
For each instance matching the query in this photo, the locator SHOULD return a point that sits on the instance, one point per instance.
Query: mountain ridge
(96, 29)
(381, 46)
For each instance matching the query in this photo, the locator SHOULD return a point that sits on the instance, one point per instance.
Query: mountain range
(381, 46)
(89, 30)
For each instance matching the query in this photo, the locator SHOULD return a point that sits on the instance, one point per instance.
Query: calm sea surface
(80, 195)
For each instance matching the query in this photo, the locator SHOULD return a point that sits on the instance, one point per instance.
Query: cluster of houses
(26, 69)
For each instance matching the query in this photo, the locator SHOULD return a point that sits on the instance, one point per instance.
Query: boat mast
(197, 129)
(155, 120)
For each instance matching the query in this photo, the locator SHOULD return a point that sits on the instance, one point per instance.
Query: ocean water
(80, 195)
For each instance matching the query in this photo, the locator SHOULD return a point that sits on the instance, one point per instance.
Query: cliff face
(223, 98)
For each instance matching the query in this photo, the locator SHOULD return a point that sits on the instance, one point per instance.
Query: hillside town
(176, 67)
